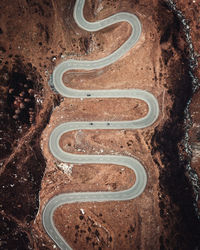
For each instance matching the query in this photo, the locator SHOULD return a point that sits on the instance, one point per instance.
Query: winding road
(149, 119)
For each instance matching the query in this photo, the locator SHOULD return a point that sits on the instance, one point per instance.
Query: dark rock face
(23, 170)
(176, 192)
(12, 237)
(20, 184)
(19, 90)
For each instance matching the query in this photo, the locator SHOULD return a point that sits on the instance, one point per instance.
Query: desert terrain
(38, 35)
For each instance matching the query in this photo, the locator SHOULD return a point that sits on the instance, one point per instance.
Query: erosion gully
(192, 63)
(178, 180)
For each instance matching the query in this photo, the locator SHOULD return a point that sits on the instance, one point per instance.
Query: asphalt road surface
(149, 119)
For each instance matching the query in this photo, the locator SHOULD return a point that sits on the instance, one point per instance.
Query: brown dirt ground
(48, 37)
